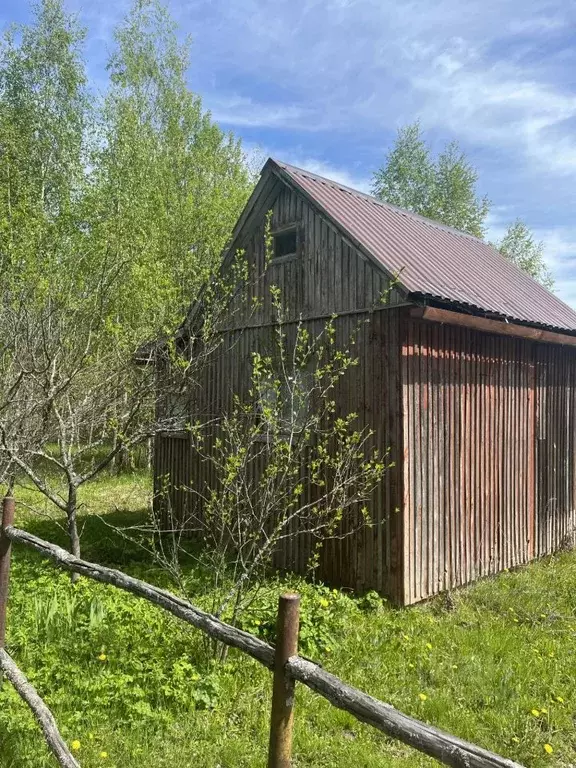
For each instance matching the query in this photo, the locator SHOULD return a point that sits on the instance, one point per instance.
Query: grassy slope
(506, 651)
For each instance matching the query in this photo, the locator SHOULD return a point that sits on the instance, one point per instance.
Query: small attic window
(285, 243)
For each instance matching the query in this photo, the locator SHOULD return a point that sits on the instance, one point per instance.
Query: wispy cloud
(243, 111)
(258, 154)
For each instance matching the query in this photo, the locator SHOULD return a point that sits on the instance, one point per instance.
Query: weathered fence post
(282, 717)
(5, 551)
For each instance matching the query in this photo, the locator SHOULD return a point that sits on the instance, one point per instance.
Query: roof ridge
(374, 200)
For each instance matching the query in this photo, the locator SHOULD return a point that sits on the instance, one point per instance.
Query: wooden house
(467, 374)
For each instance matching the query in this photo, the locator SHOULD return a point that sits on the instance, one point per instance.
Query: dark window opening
(285, 244)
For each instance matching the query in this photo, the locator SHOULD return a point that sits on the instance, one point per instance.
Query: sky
(325, 84)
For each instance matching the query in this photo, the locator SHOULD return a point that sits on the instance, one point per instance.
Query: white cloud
(329, 171)
(257, 155)
(499, 105)
(241, 111)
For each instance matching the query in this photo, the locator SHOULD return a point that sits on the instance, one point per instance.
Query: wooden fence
(288, 668)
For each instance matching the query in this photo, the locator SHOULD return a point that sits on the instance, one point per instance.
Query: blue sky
(324, 84)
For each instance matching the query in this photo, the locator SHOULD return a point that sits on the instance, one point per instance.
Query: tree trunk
(72, 515)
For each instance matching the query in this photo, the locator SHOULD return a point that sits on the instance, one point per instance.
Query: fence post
(282, 716)
(5, 550)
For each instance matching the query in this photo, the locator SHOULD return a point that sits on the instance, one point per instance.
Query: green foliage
(113, 211)
(503, 650)
(454, 200)
(96, 645)
(169, 184)
(324, 615)
(519, 246)
(443, 189)
(408, 177)
(44, 112)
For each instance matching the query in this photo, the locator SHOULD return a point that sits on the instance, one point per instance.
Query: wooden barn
(467, 374)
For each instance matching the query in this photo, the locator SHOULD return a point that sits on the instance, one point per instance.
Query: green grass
(506, 650)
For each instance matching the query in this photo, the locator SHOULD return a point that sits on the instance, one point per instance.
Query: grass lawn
(135, 688)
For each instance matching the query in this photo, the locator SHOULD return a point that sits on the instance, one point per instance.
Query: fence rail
(287, 665)
(40, 711)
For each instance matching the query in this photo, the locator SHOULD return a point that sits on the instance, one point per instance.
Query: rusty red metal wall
(555, 449)
(489, 449)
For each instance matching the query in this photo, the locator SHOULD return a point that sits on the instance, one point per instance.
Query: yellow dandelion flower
(411, 666)
(103, 755)
(422, 696)
(548, 748)
(560, 699)
(429, 646)
(76, 745)
(324, 603)
(535, 712)
(102, 657)
(405, 637)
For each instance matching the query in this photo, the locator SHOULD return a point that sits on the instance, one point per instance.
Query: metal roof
(433, 260)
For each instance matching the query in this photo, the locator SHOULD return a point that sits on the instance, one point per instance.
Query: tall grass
(496, 665)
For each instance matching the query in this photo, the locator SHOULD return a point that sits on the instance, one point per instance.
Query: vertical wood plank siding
(481, 427)
(172, 467)
(327, 276)
(489, 447)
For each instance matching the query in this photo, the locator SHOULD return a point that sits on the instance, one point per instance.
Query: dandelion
(76, 745)
(535, 712)
(324, 603)
(422, 696)
(102, 657)
(560, 699)
(405, 637)
(103, 755)
(429, 646)
(548, 748)
(410, 665)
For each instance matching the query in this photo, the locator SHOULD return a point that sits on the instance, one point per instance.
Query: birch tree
(112, 213)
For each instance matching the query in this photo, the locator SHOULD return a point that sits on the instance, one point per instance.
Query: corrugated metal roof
(434, 260)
